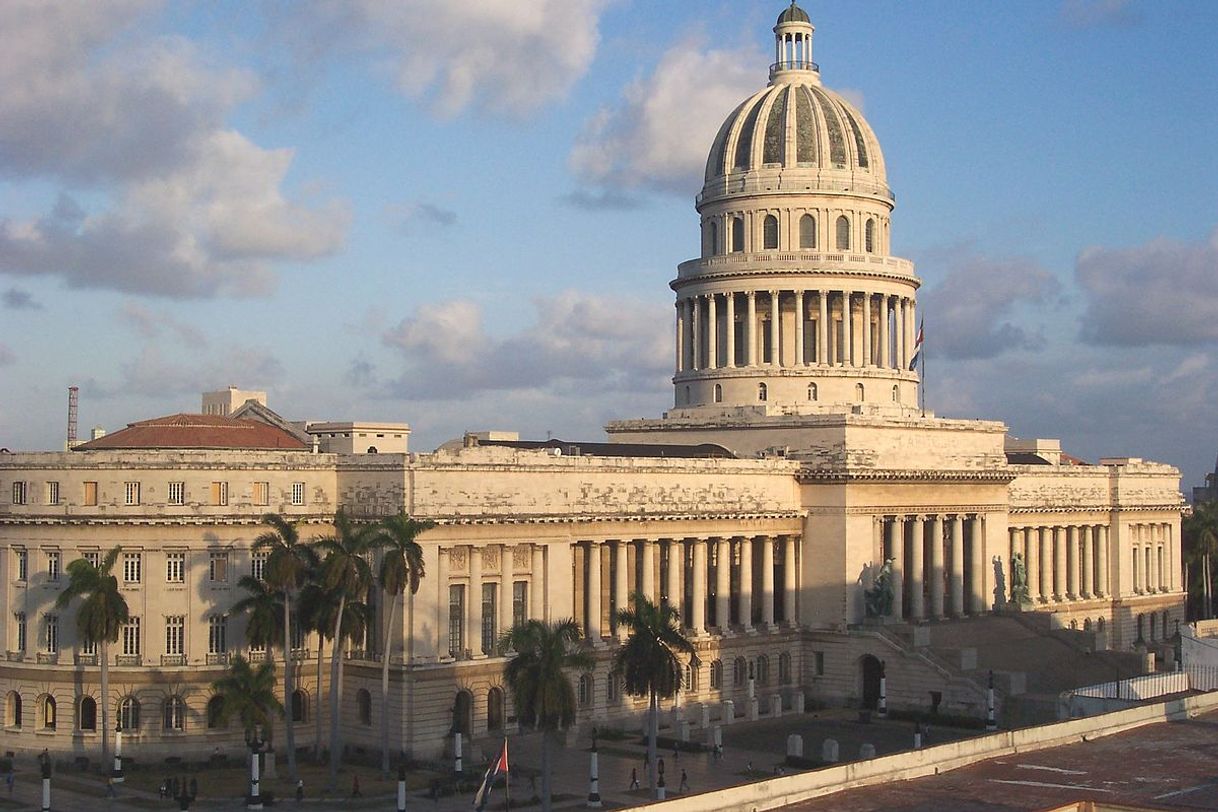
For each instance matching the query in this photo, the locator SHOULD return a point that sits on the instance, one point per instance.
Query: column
(442, 604)
(957, 564)
(723, 585)
(936, 566)
(676, 575)
(473, 603)
(799, 328)
(822, 330)
(1072, 563)
(1059, 563)
(648, 587)
(504, 604)
(712, 332)
(746, 583)
(699, 585)
(1101, 544)
(917, 562)
(680, 308)
(750, 329)
(775, 346)
(1088, 569)
(898, 318)
(537, 587)
(593, 592)
(980, 562)
(847, 330)
(789, 583)
(866, 330)
(730, 317)
(885, 354)
(896, 549)
(697, 362)
(911, 327)
(621, 581)
(767, 582)
(1031, 541)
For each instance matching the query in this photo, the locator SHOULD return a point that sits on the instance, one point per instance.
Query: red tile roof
(196, 431)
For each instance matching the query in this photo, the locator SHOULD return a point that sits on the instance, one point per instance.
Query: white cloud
(1097, 13)
(659, 135)
(155, 373)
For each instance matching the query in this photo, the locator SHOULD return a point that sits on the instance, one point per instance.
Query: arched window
(843, 233)
(585, 690)
(300, 706)
(687, 678)
(762, 392)
(215, 706)
(716, 674)
(869, 236)
(1100, 624)
(740, 672)
(1153, 619)
(174, 713)
(896, 393)
(712, 237)
(614, 686)
(494, 709)
(12, 709)
(48, 712)
(860, 394)
(807, 231)
(129, 713)
(718, 393)
(363, 704)
(737, 234)
(688, 399)
(371, 449)
(812, 391)
(1087, 625)
(784, 668)
(763, 670)
(86, 713)
(769, 231)
(1141, 627)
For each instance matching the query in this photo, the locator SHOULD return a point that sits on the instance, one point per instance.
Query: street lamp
(255, 742)
(116, 775)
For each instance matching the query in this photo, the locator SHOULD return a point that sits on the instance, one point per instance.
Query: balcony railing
(128, 659)
(86, 659)
(793, 64)
(797, 261)
(301, 653)
(218, 658)
(15, 656)
(48, 657)
(257, 656)
(173, 659)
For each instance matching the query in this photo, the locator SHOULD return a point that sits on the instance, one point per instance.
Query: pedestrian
(110, 787)
(8, 779)
(163, 790)
(660, 765)
(748, 766)
(299, 790)
(718, 751)
(634, 778)
(684, 782)
(676, 754)
(355, 793)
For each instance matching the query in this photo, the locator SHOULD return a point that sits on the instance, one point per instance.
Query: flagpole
(507, 778)
(922, 379)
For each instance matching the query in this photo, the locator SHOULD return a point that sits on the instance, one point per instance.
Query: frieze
(806, 476)
(458, 559)
(490, 559)
(522, 558)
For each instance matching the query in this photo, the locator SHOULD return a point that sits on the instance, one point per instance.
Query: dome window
(712, 238)
(762, 392)
(869, 236)
(807, 231)
(737, 234)
(769, 229)
(896, 394)
(843, 233)
(859, 393)
(718, 393)
(812, 392)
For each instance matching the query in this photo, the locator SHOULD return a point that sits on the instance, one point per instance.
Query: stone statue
(1019, 581)
(878, 599)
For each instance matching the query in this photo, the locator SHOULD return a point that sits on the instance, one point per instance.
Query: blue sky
(465, 215)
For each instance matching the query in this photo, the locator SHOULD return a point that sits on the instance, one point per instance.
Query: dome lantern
(793, 47)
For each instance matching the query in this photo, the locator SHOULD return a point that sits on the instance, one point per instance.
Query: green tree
(249, 694)
(1199, 532)
(315, 614)
(536, 675)
(401, 569)
(287, 566)
(649, 661)
(263, 610)
(99, 619)
(347, 575)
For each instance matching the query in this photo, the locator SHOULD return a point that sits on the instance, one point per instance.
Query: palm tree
(649, 663)
(263, 608)
(249, 694)
(347, 574)
(401, 568)
(315, 614)
(99, 619)
(288, 563)
(536, 676)
(1199, 531)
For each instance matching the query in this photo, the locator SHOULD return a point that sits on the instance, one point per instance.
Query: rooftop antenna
(73, 397)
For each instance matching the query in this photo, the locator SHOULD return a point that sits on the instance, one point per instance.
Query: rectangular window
(262, 494)
(175, 568)
(88, 648)
(219, 493)
(53, 565)
(520, 602)
(20, 618)
(23, 565)
(18, 493)
(90, 497)
(175, 635)
(818, 663)
(52, 493)
(131, 637)
(489, 605)
(177, 493)
(258, 565)
(52, 638)
(456, 620)
(298, 493)
(217, 634)
(298, 634)
(131, 493)
(133, 565)
(218, 567)
(93, 557)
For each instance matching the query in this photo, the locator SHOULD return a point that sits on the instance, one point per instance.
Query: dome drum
(786, 391)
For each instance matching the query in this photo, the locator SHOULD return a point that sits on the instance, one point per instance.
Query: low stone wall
(775, 793)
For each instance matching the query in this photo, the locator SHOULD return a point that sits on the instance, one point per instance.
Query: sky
(464, 215)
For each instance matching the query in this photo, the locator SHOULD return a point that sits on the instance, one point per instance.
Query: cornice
(807, 476)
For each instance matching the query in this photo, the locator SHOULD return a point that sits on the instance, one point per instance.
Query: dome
(797, 125)
(794, 14)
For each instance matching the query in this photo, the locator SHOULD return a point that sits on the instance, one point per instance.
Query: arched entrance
(871, 669)
(463, 709)
(494, 709)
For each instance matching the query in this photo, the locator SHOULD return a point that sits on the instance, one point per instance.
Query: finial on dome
(793, 46)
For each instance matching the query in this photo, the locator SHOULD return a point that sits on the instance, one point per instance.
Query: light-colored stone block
(866, 751)
(795, 745)
(829, 751)
(728, 714)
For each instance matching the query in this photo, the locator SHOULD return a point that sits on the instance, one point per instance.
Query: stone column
(746, 583)
(767, 582)
(731, 330)
(822, 330)
(648, 586)
(680, 308)
(699, 585)
(676, 575)
(936, 566)
(473, 604)
(1072, 563)
(789, 582)
(866, 330)
(442, 585)
(712, 332)
(896, 549)
(980, 561)
(697, 362)
(750, 329)
(1102, 588)
(847, 330)
(775, 339)
(593, 592)
(621, 581)
(799, 328)
(898, 318)
(917, 562)
(1031, 540)
(723, 585)
(1059, 563)
(1088, 569)
(885, 353)
(504, 604)
(537, 587)
(957, 564)
(911, 328)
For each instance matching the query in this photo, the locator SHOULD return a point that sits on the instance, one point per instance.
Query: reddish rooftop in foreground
(203, 431)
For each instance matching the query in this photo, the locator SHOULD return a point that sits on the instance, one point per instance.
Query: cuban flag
(497, 768)
(913, 362)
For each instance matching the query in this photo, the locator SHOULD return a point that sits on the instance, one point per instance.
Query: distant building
(1209, 491)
